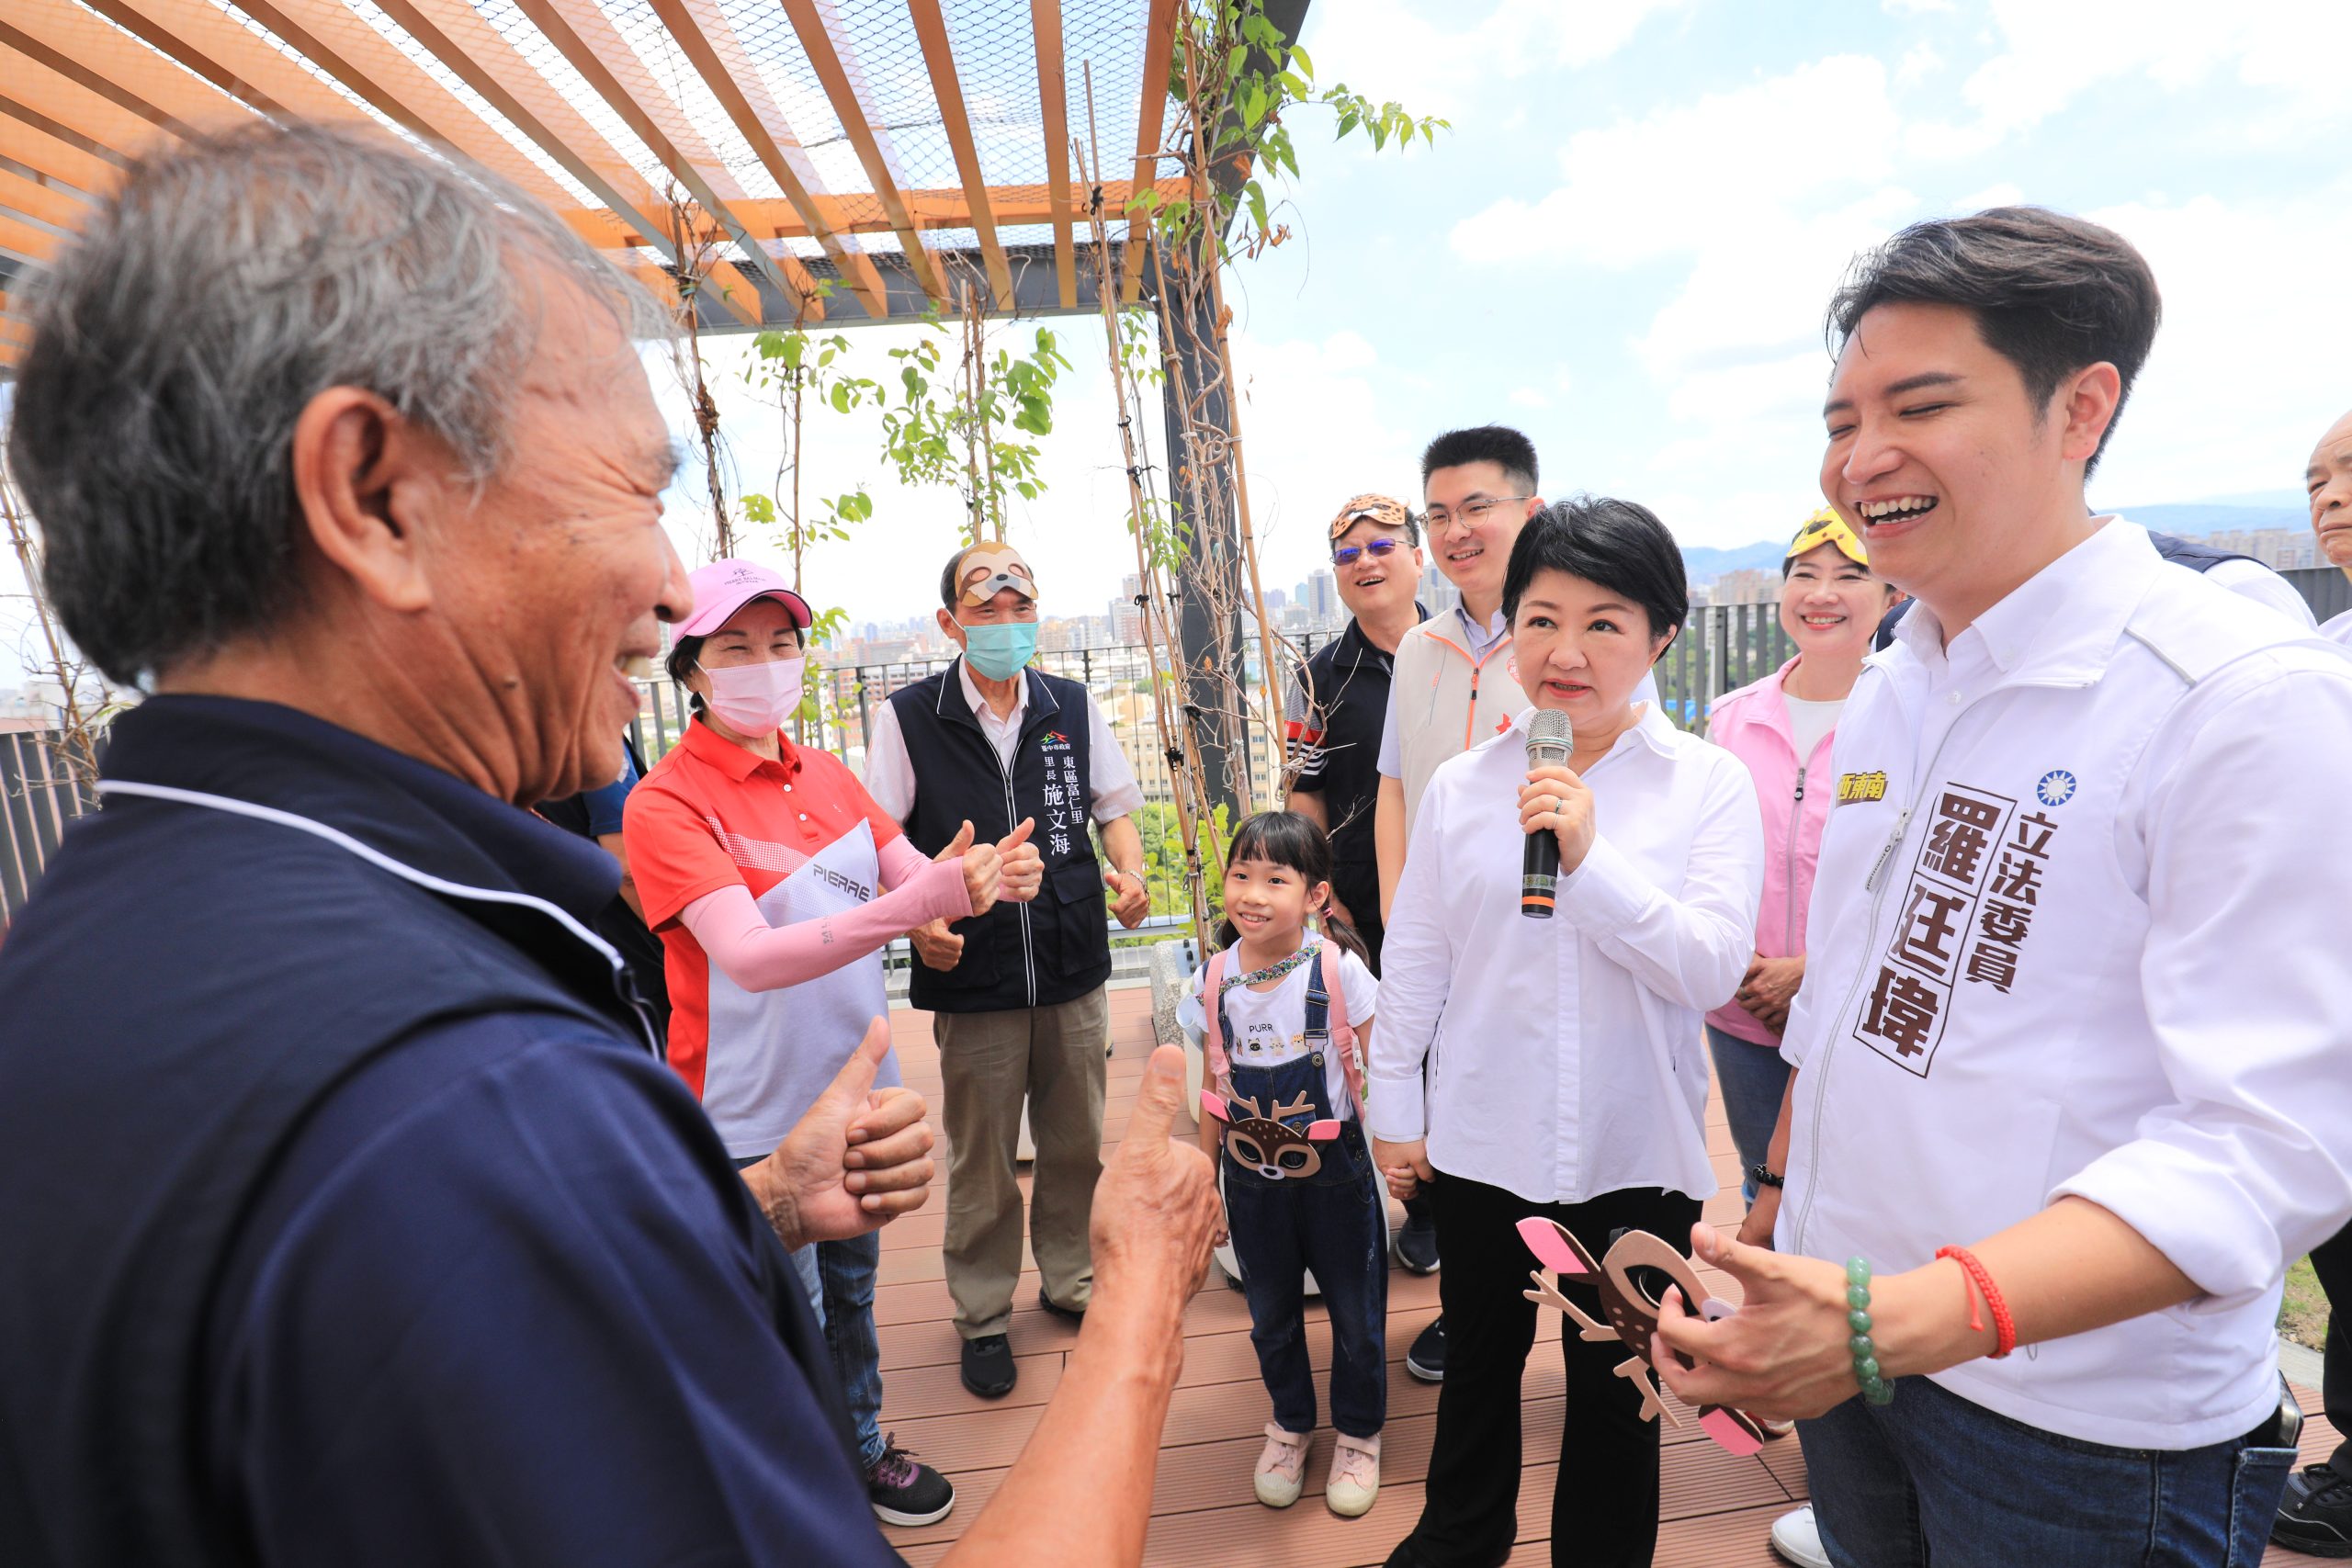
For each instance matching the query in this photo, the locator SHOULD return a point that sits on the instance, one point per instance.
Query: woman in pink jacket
(1780, 726)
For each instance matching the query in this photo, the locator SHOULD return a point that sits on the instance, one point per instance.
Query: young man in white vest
(2070, 1056)
(1451, 687)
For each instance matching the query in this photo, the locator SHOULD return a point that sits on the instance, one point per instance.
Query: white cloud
(2054, 50)
(1760, 287)
(1435, 60)
(1914, 8)
(2247, 370)
(1690, 174)
(1529, 398)
(1917, 64)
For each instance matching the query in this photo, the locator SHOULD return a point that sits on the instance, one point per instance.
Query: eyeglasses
(1347, 555)
(1472, 512)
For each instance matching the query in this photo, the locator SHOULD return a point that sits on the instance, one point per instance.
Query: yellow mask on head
(1827, 527)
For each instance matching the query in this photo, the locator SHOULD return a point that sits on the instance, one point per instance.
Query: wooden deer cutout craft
(1633, 1315)
(1264, 1144)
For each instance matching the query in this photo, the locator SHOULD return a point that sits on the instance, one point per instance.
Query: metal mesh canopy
(898, 148)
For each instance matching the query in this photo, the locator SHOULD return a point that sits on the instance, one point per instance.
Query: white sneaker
(1282, 1468)
(1798, 1540)
(1354, 1481)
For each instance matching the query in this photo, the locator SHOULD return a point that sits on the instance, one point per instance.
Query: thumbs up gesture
(856, 1161)
(1156, 1208)
(1130, 899)
(1025, 868)
(983, 868)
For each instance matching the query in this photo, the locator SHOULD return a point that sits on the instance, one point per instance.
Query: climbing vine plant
(1240, 89)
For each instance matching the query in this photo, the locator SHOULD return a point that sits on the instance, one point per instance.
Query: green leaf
(759, 508)
(1301, 61)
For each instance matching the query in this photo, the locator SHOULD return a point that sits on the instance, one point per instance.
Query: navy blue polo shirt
(351, 1219)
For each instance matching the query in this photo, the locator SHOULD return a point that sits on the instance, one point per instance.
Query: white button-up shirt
(1564, 1056)
(1111, 786)
(2078, 929)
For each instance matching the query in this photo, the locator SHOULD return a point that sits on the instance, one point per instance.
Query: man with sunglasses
(1340, 702)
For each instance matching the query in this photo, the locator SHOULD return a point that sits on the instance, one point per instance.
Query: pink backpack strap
(1343, 1033)
(1213, 1033)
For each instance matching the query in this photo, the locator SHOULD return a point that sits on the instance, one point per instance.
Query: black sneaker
(905, 1493)
(2315, 1516)
(1068, 1315)
(987, 1370)
(1416, 1245)
(1426, 1360)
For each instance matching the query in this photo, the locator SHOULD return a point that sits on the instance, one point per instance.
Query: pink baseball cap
(725, 586)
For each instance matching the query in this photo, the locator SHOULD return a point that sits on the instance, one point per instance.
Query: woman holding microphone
(1567, 1065)
(773, 882)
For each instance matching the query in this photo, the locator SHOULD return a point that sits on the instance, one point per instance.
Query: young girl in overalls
(1285, 1015)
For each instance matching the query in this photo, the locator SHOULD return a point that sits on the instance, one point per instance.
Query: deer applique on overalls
(1632, 1312)
(1263, 1140)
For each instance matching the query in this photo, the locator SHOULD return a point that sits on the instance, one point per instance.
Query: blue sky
(1624, 243)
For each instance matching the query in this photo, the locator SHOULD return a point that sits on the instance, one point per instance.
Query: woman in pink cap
(1780, 726)
(773, 882)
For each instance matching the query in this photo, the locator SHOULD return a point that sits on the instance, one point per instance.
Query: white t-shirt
(1809, 721)
(1269, 1027)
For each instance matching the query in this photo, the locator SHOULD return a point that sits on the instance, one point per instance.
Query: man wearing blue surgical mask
(1017, 995)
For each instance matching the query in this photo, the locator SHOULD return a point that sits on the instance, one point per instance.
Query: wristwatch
(1764, 1175)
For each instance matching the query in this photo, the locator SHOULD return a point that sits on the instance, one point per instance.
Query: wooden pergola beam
(849, 107)
(99, 57)
(587, 39)
(708, 40)
(30, 91)
(939, 57)
(1053, 99)
(1151, 117)
(336, 40)
(772, 219)
(50, 204)
(480, 56)
(61, 162)
(33, 244)
(203, 39)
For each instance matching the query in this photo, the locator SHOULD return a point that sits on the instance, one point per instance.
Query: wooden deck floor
(1716, 1508)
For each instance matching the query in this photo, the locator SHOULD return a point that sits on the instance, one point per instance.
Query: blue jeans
(839, 1277)
(1754, 1077)
(1935, 1475)
(1331, 1223)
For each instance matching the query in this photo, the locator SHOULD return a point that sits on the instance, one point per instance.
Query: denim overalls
(1330, 1221)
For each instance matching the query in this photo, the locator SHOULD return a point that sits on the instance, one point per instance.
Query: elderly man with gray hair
(350, 1217)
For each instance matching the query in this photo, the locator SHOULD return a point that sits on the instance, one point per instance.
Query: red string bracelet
(2005, 1328)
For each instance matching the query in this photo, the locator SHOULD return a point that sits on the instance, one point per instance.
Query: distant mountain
(1705, 563)
(2191, 520)
(2195, 519)
(2293, 498)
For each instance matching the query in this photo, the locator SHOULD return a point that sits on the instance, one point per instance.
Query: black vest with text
(1057, 948)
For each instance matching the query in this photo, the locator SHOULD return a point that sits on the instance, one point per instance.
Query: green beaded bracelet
(1875, 1388)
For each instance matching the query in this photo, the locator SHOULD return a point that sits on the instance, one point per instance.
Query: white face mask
(755, 699)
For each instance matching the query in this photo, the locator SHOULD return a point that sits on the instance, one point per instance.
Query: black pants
(1604, 1506)
(2332, 1261)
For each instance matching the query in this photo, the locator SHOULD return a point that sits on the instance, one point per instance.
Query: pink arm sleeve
(902, 862)
(762, 957)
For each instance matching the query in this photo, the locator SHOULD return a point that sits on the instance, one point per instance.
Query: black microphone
(1550, 739)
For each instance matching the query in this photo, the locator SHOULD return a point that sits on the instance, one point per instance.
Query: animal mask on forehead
(988, 569)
